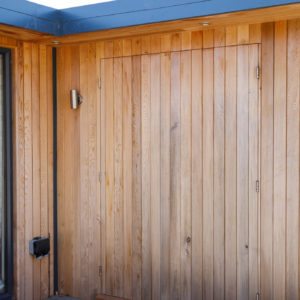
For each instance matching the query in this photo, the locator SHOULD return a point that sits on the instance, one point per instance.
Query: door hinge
(99, 83)
(257, 72)
(257, 296)
(257, 186)
(99, 176)
(100, 271)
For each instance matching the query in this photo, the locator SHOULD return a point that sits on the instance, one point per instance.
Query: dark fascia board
(118, 13)
(24, 14)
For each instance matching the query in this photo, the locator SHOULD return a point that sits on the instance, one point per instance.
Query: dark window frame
(9, 174)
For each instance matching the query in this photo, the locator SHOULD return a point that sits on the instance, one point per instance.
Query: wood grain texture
(254, 118)
(155, 211)
(146, 175)
(36, 162)
(136, 180)
(83, 152)
(43, 139)
(118, 186)
(279, 225)
(92, 161)
(181, 116)
(197, 174)
(219, 166)
(230, 172)
(28, 260)
(19, 168)
(174, 178)
(109, 175)
(75, 83)
(32, 165)
(186, 175)
(127, 175)
(292, 185)
(67, 242)
(208, 152)
(242, 173)
(165, 119)
(267, 151)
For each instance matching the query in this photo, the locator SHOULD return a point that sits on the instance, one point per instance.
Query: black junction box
(39, 247)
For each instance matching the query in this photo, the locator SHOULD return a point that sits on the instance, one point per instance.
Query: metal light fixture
(205, 23)
(76, 99)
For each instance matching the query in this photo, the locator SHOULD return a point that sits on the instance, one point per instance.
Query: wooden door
(180, 159)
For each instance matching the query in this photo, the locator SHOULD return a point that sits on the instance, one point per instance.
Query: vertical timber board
(60, 154)
(292, 171)
(146, 175)
(174, 178)
(66, 205)
(242, 173)
(127, 173)
(165, 116)
(75, 84)
(186, 175)
(103, 176)
(109, 165)
(36, 183)
(197, 179)
(136, 180)
(230, 172)
(92, 163)
(98, 228)
(43, 140)
(219, 37)
(208, 180)
(118, 183)
(279, 230)
(218, 171)
(28, 285)
(155, 173)
(243, 34)
(253, 170)
(231, 35)
(267, 152)
(49, 79)
(84, 175)
(19, 169)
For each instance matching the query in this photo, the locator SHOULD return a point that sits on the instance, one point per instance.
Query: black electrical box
(39, 247)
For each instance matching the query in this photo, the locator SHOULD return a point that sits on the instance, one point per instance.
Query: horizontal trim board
(238, 20)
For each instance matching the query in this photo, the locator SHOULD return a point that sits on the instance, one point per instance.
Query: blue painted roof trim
(95, 17)
(119, 13)
(24, 14)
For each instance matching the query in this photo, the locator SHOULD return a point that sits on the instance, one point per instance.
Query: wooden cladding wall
(176, 204)
(148, 161)
(33, 167)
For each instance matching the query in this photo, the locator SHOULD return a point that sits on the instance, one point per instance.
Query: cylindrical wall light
(76, 99)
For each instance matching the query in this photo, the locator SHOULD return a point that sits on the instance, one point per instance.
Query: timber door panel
(180, 154)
